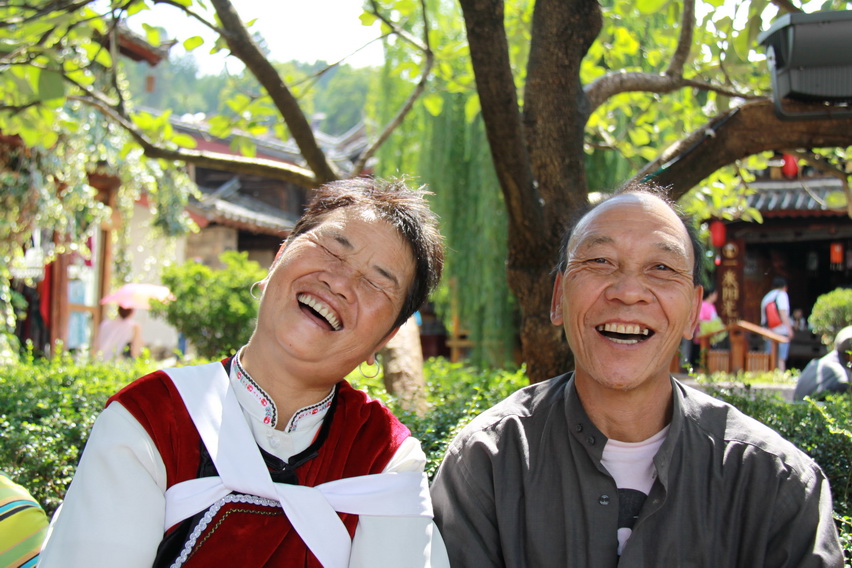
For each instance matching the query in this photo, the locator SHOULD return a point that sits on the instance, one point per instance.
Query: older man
(617, 463)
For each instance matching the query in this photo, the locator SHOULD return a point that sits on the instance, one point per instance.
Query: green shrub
(831, 313)
(456, 394)
(47, 407)
(213, 308)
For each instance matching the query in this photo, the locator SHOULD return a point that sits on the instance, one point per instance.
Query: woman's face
(333, 295)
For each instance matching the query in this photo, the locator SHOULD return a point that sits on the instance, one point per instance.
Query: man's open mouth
(320, 310)
(625, 333)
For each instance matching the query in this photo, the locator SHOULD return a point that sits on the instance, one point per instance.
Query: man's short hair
(640, 188)
(778, 282)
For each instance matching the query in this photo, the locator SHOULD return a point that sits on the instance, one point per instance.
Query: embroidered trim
(321, 406)
(270, 412)
(208, 517)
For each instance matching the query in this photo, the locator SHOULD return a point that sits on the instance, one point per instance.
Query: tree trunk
(402, 359)
(538, 155)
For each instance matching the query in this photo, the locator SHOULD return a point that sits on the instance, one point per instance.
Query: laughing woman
(269, 457)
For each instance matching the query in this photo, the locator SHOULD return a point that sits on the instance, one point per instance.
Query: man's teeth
(321, 309)
(624, 329)
(627, 329)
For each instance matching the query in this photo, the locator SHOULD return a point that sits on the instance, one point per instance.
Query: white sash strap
(206, 391)
(397, 494)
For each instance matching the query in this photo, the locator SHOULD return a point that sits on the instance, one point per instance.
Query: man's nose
(629, 287)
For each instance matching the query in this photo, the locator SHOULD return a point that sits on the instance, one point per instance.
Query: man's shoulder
(732, 428)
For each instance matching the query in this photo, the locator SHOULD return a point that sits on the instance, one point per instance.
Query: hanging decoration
(718, 232)
(790, 168)
(836, 256)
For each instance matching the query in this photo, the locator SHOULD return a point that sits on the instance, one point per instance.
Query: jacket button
(603, 500)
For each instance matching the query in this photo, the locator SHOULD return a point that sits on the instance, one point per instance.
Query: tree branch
(406, 107)
(245, 49)
(742, 132)
(684, 42)
(211, 160)
(192, 14)
(611, 84)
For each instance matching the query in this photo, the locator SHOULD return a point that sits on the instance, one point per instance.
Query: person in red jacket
(270, 458)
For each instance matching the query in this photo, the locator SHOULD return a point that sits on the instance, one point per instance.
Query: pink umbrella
(137, 295)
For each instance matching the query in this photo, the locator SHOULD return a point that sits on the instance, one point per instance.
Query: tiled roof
(805, 197)
(238, 210)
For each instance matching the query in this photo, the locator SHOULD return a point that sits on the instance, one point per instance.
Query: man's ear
(371, 360)
(689, 331)
(556, 301)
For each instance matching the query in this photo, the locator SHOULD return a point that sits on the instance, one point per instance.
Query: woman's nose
(341, 278)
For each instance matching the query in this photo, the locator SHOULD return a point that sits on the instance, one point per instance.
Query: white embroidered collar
(260, 405)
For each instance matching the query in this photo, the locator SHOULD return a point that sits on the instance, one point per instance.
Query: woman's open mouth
(320, 310)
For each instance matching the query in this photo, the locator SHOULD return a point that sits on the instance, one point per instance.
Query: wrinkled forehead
(650, 212)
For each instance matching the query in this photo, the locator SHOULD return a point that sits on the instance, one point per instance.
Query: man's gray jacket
(522, 486)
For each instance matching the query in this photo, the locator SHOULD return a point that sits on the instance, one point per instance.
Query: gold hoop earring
(252, 291)
(374, 375)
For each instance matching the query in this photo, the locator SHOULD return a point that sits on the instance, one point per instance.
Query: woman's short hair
(406, 209)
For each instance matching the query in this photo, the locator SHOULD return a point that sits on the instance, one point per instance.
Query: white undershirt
(632, 467)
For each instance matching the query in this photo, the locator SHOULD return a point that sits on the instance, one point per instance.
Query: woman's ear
(372, 358)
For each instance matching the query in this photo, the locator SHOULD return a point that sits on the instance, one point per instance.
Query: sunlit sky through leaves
(299, 30)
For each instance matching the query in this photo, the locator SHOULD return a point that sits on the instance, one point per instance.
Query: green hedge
(47, 408)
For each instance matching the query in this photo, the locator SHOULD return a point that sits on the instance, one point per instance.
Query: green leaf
(650, 6)
(184, 140)
(244, 146)
(433, 102)
(50, 85)
(471, 108)
(836, 200)
(191, 43)
(367, 19)
(152, 34)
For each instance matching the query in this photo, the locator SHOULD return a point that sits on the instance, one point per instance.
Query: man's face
(334, 294)
(627, 297)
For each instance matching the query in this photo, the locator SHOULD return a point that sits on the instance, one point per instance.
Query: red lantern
(717, 233)
(791, 167)
(836, 253)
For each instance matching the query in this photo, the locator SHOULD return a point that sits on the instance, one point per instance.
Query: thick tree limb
(245, 49)
(744, 131)
(489, 51)
(555, 106)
